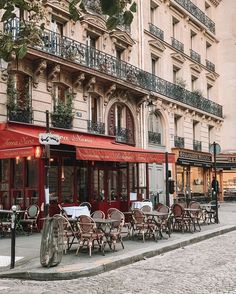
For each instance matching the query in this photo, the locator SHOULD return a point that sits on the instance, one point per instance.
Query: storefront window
(82, 183)
(123, 184)
(53, 180)
(4, 182)
(18, 173)
(197, 180)
(98, 185)
(32, 181)
(112, 185)
(67, 180)
(180, 179)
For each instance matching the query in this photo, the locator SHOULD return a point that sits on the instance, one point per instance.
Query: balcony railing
(177, 44)
(96, 127)
(179, 142)
(197, 145)
(156, 31)
(197, 13)
(82, 54)
(210, 65)
(154, 138)
(124, 135)
(20, 115)
(61, 121)
(195, 56)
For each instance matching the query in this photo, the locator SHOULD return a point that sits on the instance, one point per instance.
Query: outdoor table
(140, 204)
(76, 211)
(157, 218)
(191, 212)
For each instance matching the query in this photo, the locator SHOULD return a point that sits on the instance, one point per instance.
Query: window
(32, 172)
(192, 38)
(61, 93)
(174, 27)
(193, 83)
(210, 135)
(176, 72)
(209, 91)
(92, 40)
(121, 123)
(208, 50)
(207, 9)
(177, 121)
(154, 123)
(153, 11)
(154, 65)
(67, 180)
(95, 109)
(57, 26)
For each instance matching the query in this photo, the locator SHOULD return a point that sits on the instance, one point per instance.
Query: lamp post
(13, 236)
(167, 180)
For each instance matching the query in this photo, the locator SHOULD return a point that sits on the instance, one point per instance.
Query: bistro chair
(166, 219)
(69, 235)
(30, 218)
(89, 234)
(146, 208)
(86, 204)
(196, 215)
(143, 226)
(98, 214)
(114, 235)
(181, 220)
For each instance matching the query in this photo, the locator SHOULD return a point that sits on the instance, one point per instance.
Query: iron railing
(197, 145)
(177, 44)
(195, 56)
(210, 65)
(179, 142)
(61, 121)
(197, 13)
(156, 31)
(82, 54)
(154, 138)
(123, 135)
(96, 127)
(20, 115)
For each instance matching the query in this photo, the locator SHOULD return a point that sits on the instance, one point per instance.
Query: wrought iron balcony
(124, 135)
(16, 113)
(61, 121)
(210, 65)
(179, 142)
(156, 31)
(84, 55)
(197, 145)
(177, 44)
(96, 127)
(195, 56)
(154, 138)
(197, 13)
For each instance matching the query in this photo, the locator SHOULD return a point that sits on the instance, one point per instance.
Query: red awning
(17, 152)
(88, 146)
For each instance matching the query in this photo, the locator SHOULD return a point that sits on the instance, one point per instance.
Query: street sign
(218, 148)
(49, 139)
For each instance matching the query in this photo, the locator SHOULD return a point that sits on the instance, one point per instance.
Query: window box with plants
(63, 115)
(18, 102)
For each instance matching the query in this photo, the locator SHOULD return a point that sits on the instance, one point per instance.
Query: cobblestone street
(206, 267)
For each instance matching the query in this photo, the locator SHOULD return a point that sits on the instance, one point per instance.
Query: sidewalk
(28, 263)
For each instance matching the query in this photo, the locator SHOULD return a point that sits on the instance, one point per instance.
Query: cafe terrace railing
(69, 49)
(197, 13)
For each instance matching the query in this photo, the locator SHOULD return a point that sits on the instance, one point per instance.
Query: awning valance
(88, 146)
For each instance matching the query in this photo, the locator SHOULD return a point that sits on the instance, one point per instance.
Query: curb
(45, 276)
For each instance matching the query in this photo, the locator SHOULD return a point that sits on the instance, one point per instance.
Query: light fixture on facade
(150, 104)
(17, 159)
(38, 152)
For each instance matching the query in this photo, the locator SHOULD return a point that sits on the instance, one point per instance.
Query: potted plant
(62, 115)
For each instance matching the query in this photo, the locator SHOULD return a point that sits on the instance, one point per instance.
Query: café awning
(17, 138)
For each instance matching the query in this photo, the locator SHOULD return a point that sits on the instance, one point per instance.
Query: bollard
(13, 236)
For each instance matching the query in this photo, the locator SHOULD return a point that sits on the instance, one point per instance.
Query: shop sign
(49, 139)
(194, 156)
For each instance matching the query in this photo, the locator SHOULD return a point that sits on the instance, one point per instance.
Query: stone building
(119, 100)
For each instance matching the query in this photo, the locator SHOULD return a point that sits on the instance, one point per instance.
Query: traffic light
(171, 186)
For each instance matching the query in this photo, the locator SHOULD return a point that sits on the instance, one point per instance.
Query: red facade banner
(17, 152)
(121, 156)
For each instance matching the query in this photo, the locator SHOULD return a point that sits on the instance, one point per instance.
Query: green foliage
(15, 45)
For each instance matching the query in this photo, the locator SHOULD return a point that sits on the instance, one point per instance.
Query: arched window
(155, 128)
(121, 123)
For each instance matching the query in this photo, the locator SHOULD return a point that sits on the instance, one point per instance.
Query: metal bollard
(13, 236)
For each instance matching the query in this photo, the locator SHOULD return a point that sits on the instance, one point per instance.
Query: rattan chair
(181, 220)
(114, 235)
(86, 204)
(30, 218)
(89, 234)
(98, 214)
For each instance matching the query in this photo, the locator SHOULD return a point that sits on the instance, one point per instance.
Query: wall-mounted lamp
(37, 152)
(150, 104)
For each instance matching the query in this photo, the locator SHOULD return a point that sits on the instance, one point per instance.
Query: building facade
(98, 86)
